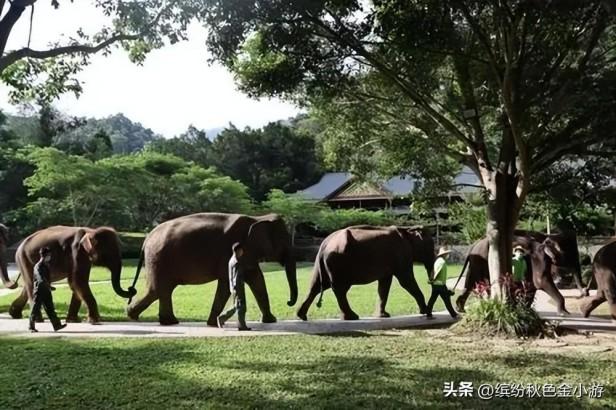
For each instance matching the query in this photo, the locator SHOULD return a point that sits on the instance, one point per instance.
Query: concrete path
(200, 329)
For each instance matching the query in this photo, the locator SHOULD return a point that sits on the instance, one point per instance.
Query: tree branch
(10, 18)
(333, 36)
(26, 52)
(14, 56)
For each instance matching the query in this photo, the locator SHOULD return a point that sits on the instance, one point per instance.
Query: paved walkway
(200, 329)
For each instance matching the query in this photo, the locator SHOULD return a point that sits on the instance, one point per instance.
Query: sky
(174, 88)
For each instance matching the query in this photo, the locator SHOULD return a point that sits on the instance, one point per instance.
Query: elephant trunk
(6, 281)
(290, 269)
(116, 270)
(4, 270)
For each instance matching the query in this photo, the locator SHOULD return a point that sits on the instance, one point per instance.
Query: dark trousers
(239, 306)
(42, 298)
(443, 292)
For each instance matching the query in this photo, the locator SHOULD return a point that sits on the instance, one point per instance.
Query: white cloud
(174, 88)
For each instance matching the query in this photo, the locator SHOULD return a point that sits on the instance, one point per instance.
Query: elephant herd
(195, 249)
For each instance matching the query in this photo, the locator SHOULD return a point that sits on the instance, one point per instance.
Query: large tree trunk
(502, 219)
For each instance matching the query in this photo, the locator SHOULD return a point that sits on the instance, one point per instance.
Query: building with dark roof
(343, 190)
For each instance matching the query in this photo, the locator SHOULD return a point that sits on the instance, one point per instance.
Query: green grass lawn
(193, 303)
(371, 370)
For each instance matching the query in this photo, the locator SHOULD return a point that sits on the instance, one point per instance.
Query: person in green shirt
(518, 264)
(439, 284)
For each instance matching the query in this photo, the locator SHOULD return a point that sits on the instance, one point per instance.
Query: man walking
(439, 284)
(237, 271)
(42, 292)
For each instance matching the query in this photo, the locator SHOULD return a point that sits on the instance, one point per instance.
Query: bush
(332, 220)
(496, 317)
(514, 317)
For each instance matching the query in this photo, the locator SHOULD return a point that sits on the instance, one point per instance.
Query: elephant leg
(256, 282)
(409, 283)
(17, 307)
(85, 294)
(546, 284)
(461, 300)
(220, 300)
(592, 303)
(165, 306)
(341, 296)
(136, 308)
(73, 309)
(383, 290)
(611, 299)
(315, 289)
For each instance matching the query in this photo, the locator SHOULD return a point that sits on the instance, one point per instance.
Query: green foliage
(331, 220)
(193, 145)
(495, 317)
(274, 157)
(128, 192)
(293, 208)
(471, 219)
(297, 210)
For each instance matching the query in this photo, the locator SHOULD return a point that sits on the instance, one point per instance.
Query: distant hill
(126, 136)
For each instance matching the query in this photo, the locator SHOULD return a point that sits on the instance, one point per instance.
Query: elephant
(4, 271)
(541, 259)
(604, 272)
(195, 249)
(364, 254)
(74, 250)
(477, 263)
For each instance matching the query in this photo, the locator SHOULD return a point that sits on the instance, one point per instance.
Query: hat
(44, 251)
(519, 248)
(442, 251)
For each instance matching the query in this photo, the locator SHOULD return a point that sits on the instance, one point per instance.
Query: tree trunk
(502, 218)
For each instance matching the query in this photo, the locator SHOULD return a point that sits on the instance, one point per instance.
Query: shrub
(512, 316)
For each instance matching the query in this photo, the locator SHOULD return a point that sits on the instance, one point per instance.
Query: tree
(506, 88)
(138, 26)
(193, 145)
(275, 156)
(293, 208)
(14, 168)
(131, 192)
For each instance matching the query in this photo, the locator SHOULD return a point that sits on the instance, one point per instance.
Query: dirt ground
(570, 342)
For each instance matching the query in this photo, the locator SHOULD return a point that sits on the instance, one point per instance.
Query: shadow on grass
(294, 372)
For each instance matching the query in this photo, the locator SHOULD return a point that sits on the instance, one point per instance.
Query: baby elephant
(364, 254)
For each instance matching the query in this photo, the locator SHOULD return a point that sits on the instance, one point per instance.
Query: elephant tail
(139, 266)
(468, 257)
(321, 267)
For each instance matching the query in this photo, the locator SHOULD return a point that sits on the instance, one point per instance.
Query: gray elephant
(604, 272)
(4, 271)
(196, 249)
(476, 264)
(74, 251)
(364, 254)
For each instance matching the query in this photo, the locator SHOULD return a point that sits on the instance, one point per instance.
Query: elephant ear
(552, 250)
(83, 240)
(258, 240)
